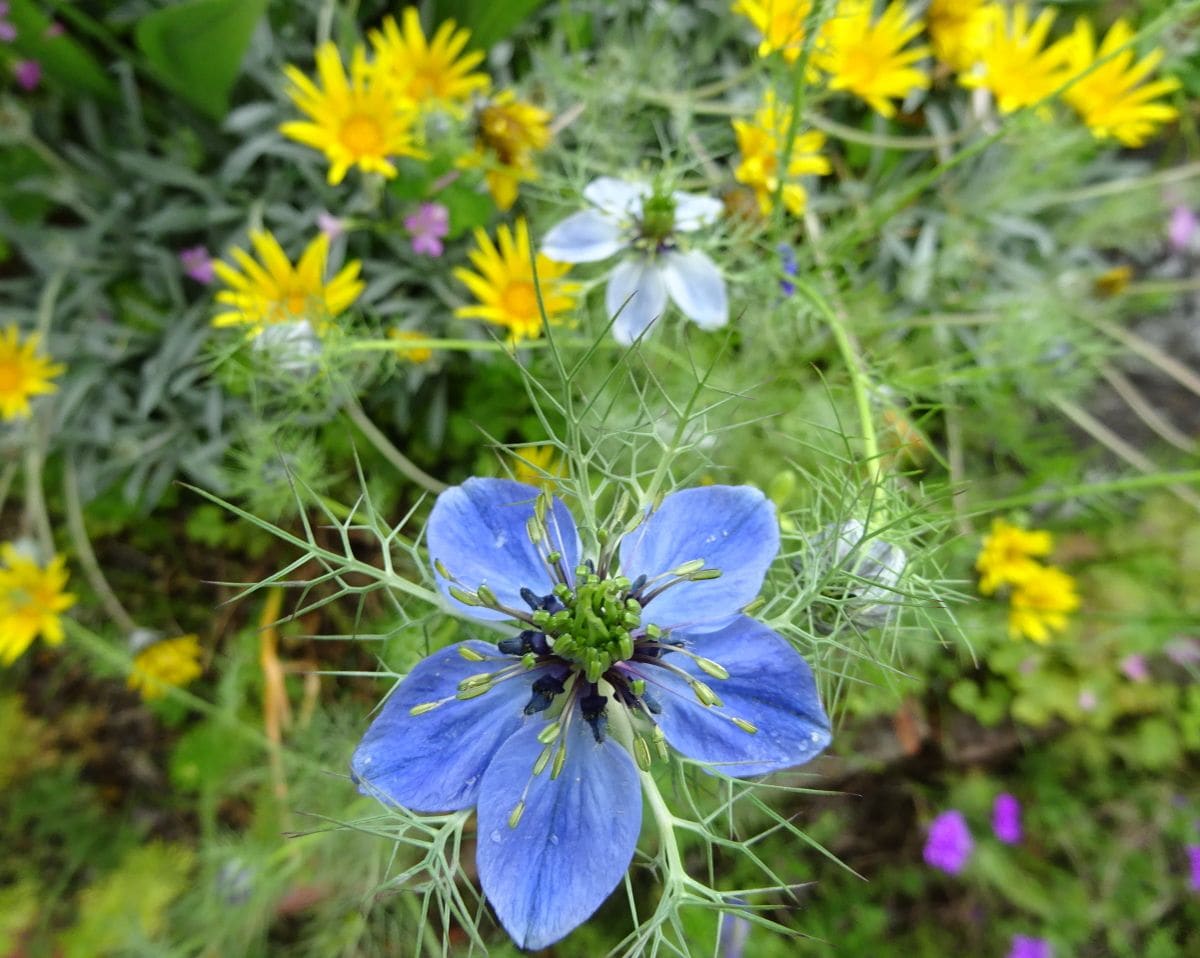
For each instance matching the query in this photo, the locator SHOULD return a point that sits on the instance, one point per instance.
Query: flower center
(520, 298)
(658, 218)
(361, 135)
(593, 629)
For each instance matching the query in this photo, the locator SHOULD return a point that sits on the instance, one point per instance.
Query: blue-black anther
(531, 598)
(544, 691)
(636, 586)
(651, 703)
(518, 644)
(594, 713)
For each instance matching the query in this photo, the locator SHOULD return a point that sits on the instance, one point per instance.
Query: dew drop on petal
(553, 839)
(496, 835)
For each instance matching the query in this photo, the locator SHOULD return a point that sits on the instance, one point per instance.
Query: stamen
(744, 725)
(463, 596)
(559, 760)
(515, 817)
(424, 707)
(468, 653)
(641, 753)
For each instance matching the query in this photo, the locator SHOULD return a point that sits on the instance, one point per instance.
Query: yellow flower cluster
(374, 114)
(32, 600)
(171, 663)
(761, 145)
(23, 373)
(994, 46)
(1041, 596)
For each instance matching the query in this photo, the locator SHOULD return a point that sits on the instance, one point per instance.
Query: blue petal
(434, 762)
(583, 238)
(617, 198)
(637, 296)
(695, 284)
(477, 531)
(574, 840)
(732, 528)
(769, 685)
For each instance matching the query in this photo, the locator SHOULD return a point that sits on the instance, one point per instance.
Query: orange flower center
(520, 298)
(362, 136)
(10, 377)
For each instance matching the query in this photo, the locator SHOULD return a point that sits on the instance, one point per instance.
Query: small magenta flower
(8, 32)
(54, 29)
(646, 222)
(641, 647)
(428, 226)
(1194, 860)
(1133, 667)
(1024, 947)
(1006, 818)
(1182, 228)
(28, 74)
(197, 263)
(949, 843)
(332, 226)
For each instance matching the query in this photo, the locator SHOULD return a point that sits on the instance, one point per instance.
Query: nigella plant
(645, 222)
(620, 654)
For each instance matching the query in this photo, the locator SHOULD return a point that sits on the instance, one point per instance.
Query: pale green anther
(581, 571)
(695, 565)
(752, 607)
(641, 753)
(559, 760)
(487, 596)
(543, 760)
(549, 733)
(534, 530)
(423, 708)
(660, 743)
(633, 605)
(654, 631)
(704, 574)
(744, 725)
(565, 644)
(595, 669)
(638, 687)
(441, 568)
(553, 557)
(528, 661)
(515, 817)
(602, 536)
(622, 582)
(541, 618)
(463, 596)
(708, 698)
(468, 653)
(474, 692)
(539, 508)
(626, 646)
(481, 678)
(632, 619)
(562, 591)
(715, 669)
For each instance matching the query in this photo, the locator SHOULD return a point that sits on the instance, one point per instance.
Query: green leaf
(487, 20)
(196, 47)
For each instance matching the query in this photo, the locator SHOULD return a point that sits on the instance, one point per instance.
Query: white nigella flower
(644, 222)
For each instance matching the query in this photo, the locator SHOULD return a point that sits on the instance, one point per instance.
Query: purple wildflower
(1181, 228)
(1025, 947)
(197, 264)
(1183, 651)
(28, 74)
(428, 225)
(1088, 700)
(8, 33)
(55, 29)
(332, 226)
(1134, 668)
(1006, 818)
(1194, 860)
(949, 843)
(787, 258)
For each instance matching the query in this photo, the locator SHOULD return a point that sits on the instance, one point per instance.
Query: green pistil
(594, 630)
(658, 218)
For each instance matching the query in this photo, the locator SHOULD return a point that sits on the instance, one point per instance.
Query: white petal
(696, 286)
(583, 238)
(616, 197)
(693, 211)
(636, 296)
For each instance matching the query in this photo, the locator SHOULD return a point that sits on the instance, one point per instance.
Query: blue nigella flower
(644, 221)
(641, 646)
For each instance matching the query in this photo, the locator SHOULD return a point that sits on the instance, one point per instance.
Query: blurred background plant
(971, 295)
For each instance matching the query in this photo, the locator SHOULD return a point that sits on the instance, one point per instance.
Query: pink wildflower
(428, 225)
(28, 74)
(198, 264)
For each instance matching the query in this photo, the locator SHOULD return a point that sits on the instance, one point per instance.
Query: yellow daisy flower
(416, 355)
(32, 599)
(538, 466)
(428, 72)
(504, 284)
(1007, 555)
(270, 290)
(781, 23)
(23, 373)
(166, 664)
(1112, 99)
(1012, 64)
(355, 121)
(867, 56)
(959, 31)
(1041, 604)
(509, 131)
(761, 145)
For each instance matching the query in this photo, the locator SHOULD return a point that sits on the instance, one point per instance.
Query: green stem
(393, 455)
(86, 556)
(665, 822)
(1080, 490)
